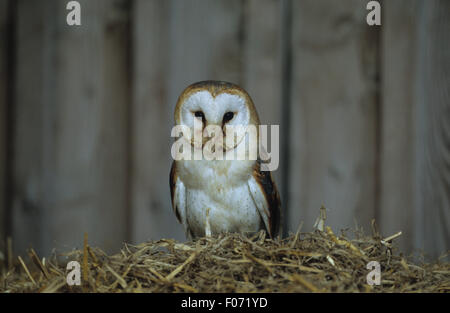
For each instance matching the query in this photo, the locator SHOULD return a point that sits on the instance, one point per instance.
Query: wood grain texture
(205, 43)
(27, 199)
(70, 173)
(3, 98)
(432, 184)
(152, 115)
(397, 174)
(333, 122)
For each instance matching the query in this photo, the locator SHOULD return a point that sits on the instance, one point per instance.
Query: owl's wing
(266, 198)
(178, 196)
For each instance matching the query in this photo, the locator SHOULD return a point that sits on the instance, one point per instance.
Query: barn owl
(221, 195)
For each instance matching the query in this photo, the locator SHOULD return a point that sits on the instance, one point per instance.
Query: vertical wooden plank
(262, 76)
(205, 43)
(26, 228)
(432, 218)
(3, 91)
(183, 42)
(397, 203)
(262, 58)
(414, 195)
(70, 148)
(333, 114)
(152, 216)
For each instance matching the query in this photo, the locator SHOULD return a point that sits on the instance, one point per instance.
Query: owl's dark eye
(228, 117)
(199, 114)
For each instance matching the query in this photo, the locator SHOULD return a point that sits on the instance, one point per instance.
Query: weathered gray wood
(70, 148)
(333, 114)
(26, 228)
(3, 91)
(432, 216)
(262, 55)
(205, 43)
(152, 216)
(177, 43)
(397, 176)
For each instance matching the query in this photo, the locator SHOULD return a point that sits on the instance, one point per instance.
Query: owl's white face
(223, 110)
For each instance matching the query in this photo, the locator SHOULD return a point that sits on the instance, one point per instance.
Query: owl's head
(215, 103)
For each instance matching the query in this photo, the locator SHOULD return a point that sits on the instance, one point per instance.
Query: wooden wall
(334, 114)
(397, 126)
(415, 132)
(362, 111)
(432, 118)
(71, 123)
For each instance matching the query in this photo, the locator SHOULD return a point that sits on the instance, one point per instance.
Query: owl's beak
(210, 132)
(213, 131)
(205, 134)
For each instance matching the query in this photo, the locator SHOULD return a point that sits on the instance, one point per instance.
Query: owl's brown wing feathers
(268, 188)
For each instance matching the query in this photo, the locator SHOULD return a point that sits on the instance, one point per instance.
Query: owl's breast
(222, 188)
(230, 210)
(214, 175)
